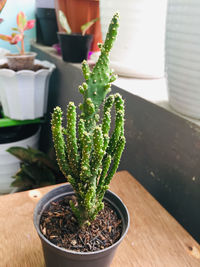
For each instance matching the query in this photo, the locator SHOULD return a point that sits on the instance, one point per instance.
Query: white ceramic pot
(139, 49)
(24, 93)
(183, 56)
(9, 164)
(3, 52)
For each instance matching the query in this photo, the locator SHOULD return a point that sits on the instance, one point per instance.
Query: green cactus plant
(90, 158)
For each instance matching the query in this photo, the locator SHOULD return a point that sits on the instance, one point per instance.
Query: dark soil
(60, 227)
(36, 67)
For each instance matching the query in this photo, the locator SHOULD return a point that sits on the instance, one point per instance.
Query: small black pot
(46, 26)
(17, 133)
(60, 257)
(75, 47)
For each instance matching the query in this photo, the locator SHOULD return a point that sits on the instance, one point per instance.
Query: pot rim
(4, 146)
(74, 34)
(17, 55)
(49, 67)
(71, 252)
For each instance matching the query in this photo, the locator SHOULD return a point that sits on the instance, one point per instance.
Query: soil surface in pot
(36, 67)
(60, 227)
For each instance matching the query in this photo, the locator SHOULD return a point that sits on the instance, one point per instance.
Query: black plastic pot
(46, 26)
(60, 257)
(17, 133)
(74, 47)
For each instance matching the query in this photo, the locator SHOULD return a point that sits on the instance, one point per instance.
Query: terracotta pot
(56, 256)
(78, 12)
(21, 62)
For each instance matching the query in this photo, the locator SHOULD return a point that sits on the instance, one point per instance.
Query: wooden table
(155, 238)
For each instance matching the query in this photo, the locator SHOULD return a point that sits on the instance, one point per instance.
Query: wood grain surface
(154, 239)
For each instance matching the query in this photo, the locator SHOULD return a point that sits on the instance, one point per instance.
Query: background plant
(89, 158)
(36, 169)
(64, 23)
(2, 4)
(18, 34)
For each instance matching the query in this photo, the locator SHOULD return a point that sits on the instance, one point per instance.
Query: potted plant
(74, 46)
(22, 60)
(23, 80)
(24, 136)
(77, 13)
(46, 23)
(90, 221)
(36, 169)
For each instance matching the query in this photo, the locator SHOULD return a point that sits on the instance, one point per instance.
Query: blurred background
(9, 14)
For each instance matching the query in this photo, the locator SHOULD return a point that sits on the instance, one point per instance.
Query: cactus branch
(119, 122)
(59, 142)
(72, 147)
(85, 173)
(98, 152)
(105, 168)
(107, 119)
(99, 79)
(116, 160)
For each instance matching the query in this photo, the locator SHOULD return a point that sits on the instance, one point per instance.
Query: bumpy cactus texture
(89, 158)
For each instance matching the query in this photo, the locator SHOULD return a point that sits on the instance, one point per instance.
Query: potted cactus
(74, 46)
(23, 80)
(82, 223)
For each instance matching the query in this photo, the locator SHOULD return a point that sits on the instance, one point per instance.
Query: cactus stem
(89, 158)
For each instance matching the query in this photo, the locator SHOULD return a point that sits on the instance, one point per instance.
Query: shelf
(7, 122)
(152, 90)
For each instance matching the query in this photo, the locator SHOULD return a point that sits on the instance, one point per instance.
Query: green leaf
(21, 21)
(63, 21)
(6, 38)
(15, 29)
(39, 174)
(87, 25)
(22, 180)
(31, 155)
(22, 153)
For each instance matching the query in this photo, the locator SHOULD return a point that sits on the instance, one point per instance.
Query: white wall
(9, 13)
